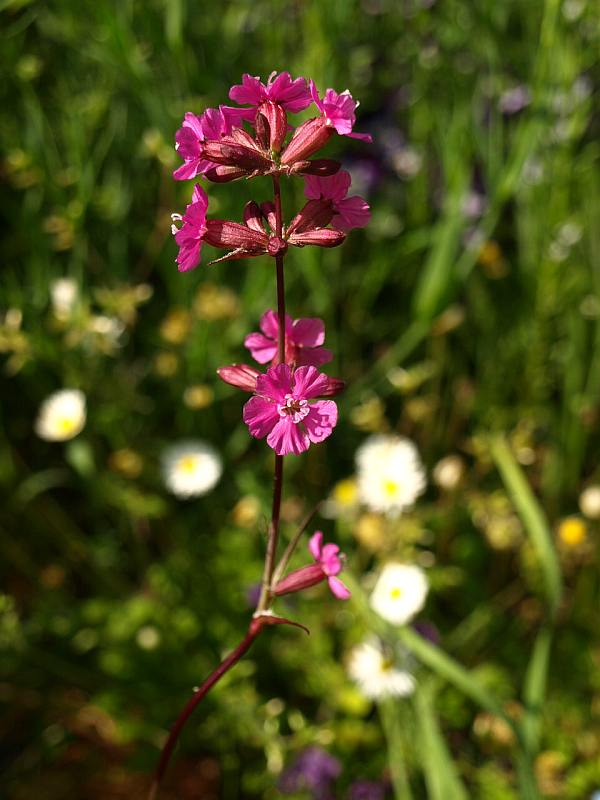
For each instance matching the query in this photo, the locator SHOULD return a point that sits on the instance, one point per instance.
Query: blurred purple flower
(314, 770)
(514, 100)
(367, 790)
(428, 631)
(253, 594)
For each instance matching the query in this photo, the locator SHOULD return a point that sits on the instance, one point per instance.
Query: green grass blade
(532, 515)
(441, 776)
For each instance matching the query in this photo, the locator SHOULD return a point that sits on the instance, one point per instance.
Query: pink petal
(315, 95)
(188, 170)
(288, 437)
(309, 382)
(315, 544)
(353, 212)
(308, 332)
(269, 324)
(260, 416)
(332, 187)
(194, 123)
(200, 197)
(338, 589)
(329, 551)
(364, 137)
(262, 349)
(251, 91)
(188, 256)
(321, 420)
(276, 383)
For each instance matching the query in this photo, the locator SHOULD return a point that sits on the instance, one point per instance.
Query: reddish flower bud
(322, 237)
(300, 579)
(323, 167)
(272, 119)
(223, 233)
(223, 174)
(315, 214)
(334, 387)
(229, 152)
(309, 137)
(241, 376)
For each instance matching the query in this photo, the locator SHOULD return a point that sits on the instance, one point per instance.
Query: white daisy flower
(390, 473)
(63, 294)
(399, 593)
(589, 502)
(191, 468)
(61, 416)
(377, 674)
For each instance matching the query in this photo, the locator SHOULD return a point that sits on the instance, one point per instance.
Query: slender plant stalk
(265, 595)
(264, 602)
(199, 694)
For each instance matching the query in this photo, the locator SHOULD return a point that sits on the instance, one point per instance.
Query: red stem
(254, 629)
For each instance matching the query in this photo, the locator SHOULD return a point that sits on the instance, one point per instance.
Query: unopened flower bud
(300, 579)
(223, 233)
(335, 386)
(241, 376)
(223, 174)
(272, 120)
(322, 167)
(308, 138)
(322, 237)
(232, 154)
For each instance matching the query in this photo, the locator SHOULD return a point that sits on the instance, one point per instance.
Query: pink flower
(327, 566)
(280, 409)
(293, 95)
(189, 236)
(330, 562)
(213, 124)
(338, 112)
(303, 340)
(351, 212)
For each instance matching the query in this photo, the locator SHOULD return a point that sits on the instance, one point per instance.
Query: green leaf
(532, 515)
(441, 776)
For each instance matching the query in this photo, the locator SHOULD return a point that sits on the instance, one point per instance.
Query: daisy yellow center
(387, 664)
(188, 464)
(66, 424)
(391, 488)
(396, 593)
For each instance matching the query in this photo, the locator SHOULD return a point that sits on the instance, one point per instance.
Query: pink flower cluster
(217, 146)
(287, 408)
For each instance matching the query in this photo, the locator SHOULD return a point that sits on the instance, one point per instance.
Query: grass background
(495, 320)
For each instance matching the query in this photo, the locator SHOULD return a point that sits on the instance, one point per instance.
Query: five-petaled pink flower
(189, 236)
(327, 566)
(338, 112)
(293, 95)
(351, 212)
(280, 409)
(330, 562)
(303, 340)
(214, 123)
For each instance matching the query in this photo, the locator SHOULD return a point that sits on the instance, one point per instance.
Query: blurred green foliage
(471, 304)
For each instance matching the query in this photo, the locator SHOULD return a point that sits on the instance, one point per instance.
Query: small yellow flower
(127, 462)
(345, 492)
(572, 531)
(176, 326)
(198, 396)
(246, 511)
(166, 364)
